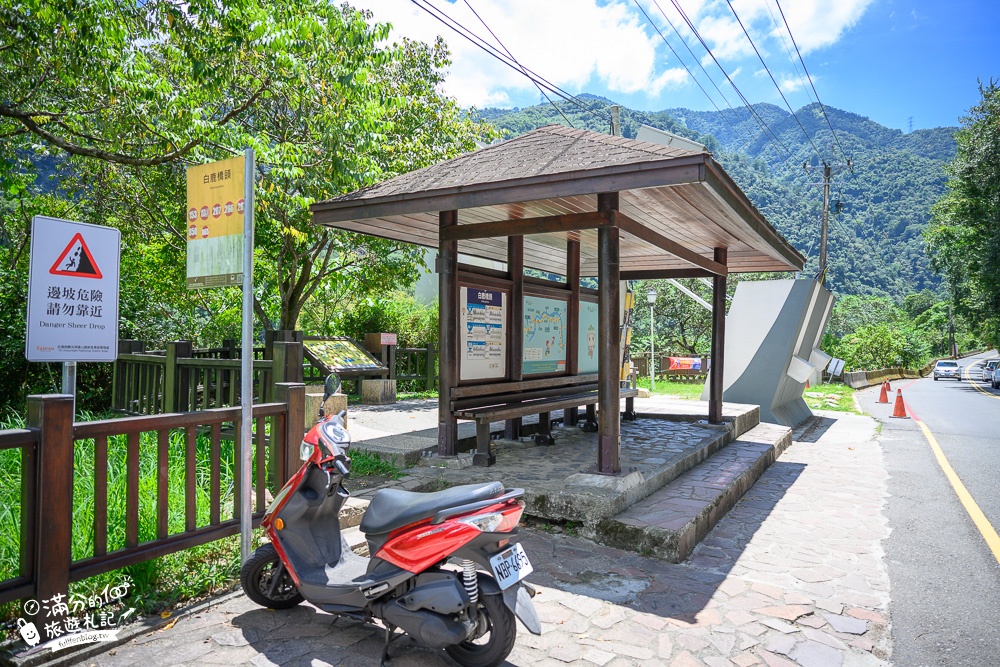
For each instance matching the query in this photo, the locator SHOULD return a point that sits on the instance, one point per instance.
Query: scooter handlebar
(341, 468)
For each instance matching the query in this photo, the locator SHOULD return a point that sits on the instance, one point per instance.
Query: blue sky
(889, 60)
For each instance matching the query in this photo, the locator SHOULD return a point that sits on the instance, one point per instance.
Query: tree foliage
(876, 247)
(964, 238)
(104, 104)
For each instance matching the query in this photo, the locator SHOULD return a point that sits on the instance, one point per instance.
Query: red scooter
(443, 569)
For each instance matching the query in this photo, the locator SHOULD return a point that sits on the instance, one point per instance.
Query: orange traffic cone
(888, 386)
(883, 397)
(899, 410)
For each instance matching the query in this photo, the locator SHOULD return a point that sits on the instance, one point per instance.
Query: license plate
(511, 566)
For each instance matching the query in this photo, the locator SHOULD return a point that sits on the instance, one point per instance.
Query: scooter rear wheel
(266, 581)
(493, 646)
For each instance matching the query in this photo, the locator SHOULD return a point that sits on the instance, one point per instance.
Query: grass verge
(687, 390)
(837, 397)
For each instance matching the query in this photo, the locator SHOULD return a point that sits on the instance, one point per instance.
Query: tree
(104, 105)
(964, 237)
(131, 95)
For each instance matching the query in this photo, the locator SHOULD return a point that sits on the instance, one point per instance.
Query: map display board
(483, 330)
(587, 344)
(343, 355)
(544, 333)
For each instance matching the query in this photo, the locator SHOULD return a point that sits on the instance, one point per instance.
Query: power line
(788, 51)
(492, 51)
(657, 29)
(540, 89)
(822, 108)
(773, 80)
(760, 121)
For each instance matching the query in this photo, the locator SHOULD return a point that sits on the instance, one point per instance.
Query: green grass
(686, 390)
(160, 582)
(364, 464)
(837, 397)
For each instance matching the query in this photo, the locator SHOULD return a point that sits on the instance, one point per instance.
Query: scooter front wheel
(495, 638)
(267, 582)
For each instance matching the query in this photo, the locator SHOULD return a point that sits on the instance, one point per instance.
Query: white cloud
(580, 45)
(608, 47)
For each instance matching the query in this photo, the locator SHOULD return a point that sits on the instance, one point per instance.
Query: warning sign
(72, 291)
(77, 261)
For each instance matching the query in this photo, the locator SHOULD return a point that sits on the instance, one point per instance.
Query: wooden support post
(173, 395)
(573, 283)
(431, 374)
(515, 339)
(544, 435)
(293, 394)
(53, 416)
(287, 362)
(484, 456)
(718, 341)
(609, 342)
(448, 296)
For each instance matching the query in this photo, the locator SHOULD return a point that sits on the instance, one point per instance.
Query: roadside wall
(862, 379)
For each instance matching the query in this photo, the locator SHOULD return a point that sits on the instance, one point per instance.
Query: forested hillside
(875, 245)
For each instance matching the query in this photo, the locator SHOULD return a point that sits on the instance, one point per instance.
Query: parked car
(947, 369)
(989, 369)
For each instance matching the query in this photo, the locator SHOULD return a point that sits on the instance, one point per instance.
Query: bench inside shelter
(506, 401)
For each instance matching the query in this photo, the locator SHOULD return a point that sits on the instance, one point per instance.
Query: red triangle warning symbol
(76, 261)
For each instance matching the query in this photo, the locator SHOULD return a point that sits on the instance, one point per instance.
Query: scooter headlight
(306, 450)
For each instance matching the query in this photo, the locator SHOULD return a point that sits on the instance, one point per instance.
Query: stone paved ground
(794, 575)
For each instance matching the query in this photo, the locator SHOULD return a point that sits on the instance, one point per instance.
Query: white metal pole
(69, 382)
(652, 353)
(246, 367)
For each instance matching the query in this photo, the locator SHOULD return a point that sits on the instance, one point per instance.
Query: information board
(343, 355)
(72, 291)
(587, 345)
(544, 335)
(483, 322)
(215, 208)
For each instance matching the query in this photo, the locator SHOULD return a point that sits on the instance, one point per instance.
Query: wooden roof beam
(569, 222)
(660, 274)
(630, 226)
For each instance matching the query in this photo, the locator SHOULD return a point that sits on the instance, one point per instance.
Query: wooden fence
(183, 444)
(181, 378)
(641, 362)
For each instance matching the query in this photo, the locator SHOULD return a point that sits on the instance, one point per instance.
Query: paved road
(945, 580)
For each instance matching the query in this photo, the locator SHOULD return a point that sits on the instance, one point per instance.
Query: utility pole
(829, 171)
(952, 347)
(825, 227)
(616, 122)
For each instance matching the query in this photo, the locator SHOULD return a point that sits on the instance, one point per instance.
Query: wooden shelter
(573, 203)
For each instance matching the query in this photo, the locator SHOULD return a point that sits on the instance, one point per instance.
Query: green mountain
(875, 245)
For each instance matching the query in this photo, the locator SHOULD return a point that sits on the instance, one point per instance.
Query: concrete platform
(671, 521)
(679, 474)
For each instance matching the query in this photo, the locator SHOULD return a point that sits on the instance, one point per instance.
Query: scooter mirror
(331, 386)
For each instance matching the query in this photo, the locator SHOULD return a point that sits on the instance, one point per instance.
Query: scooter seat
(391, 508)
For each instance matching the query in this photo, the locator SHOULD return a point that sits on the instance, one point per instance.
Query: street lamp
(651, 297)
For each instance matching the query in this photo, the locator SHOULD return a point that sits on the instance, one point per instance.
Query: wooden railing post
(287, 360)
(292, 394)
(53, 415)
(175, 377)
(430, 370)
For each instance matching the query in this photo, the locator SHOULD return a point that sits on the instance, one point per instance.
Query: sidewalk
(793, 575)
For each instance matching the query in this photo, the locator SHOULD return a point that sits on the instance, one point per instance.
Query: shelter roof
(674, 193)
